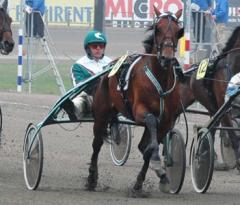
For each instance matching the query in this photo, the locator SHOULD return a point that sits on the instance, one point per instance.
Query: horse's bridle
(163, 44)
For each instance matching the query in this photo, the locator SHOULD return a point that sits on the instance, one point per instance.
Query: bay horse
(151, 99)
(210, 90)
(6, 39)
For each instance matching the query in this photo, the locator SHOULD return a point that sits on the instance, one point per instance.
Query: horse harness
(121, 75)
(123, 82)
(212, 68)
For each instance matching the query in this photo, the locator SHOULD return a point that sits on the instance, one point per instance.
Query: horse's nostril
(8, 46)
(7, 43)
(11, 45)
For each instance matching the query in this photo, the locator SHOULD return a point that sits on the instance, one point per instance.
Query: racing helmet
(93, 37)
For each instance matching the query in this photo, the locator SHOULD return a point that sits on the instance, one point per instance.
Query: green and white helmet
(94, 37)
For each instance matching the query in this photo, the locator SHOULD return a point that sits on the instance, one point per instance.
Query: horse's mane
(231, 41)
(148, 42)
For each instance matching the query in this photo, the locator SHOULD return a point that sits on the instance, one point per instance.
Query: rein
(222, 56)
(226, 53)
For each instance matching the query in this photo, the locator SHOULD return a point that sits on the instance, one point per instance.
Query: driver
(233, 86)
(93, 62)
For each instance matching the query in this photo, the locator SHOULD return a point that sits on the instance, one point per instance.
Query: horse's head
(6, 40)
(167, 31)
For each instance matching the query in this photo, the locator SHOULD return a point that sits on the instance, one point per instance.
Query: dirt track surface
(66, 157)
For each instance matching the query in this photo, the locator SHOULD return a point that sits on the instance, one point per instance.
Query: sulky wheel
(121, 142)
(33, 158)
(202, 160)
(176, 163)
(227, 151)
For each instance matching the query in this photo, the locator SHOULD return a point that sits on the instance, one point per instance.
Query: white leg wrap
(156, 166)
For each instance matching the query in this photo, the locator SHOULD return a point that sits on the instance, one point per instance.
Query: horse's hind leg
(100, 132)
(101, 117)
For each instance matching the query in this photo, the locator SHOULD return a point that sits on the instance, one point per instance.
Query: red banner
(140, 10)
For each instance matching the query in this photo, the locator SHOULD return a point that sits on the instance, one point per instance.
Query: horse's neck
(230, 64)
(164, 75)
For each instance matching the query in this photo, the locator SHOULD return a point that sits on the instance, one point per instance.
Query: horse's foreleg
(144, 141)
(100, 131)
(152, 149)
(151, 153)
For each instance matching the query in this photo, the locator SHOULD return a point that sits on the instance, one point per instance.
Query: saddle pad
(202, 69)
(128, 74)
(117, 65)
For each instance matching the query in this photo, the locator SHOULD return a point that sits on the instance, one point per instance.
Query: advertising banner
(61, 11)
(136, 13)
(234, 13)
(118, 13)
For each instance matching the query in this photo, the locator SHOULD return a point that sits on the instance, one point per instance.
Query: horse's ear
(157, 12)
(180, 33)
(179, 13)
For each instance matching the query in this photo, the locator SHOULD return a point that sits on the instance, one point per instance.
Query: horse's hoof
(164, 184)
(89, 187)
(133, 193)
(238, 164)
(218, 166)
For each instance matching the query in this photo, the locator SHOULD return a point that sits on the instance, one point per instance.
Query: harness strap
(226, 53)
(153, 80)
(156, 83)
(159, 89)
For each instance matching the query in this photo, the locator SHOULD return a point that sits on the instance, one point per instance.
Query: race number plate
(202, 68)
(117, 65)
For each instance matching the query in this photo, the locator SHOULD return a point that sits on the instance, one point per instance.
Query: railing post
(112, 18)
